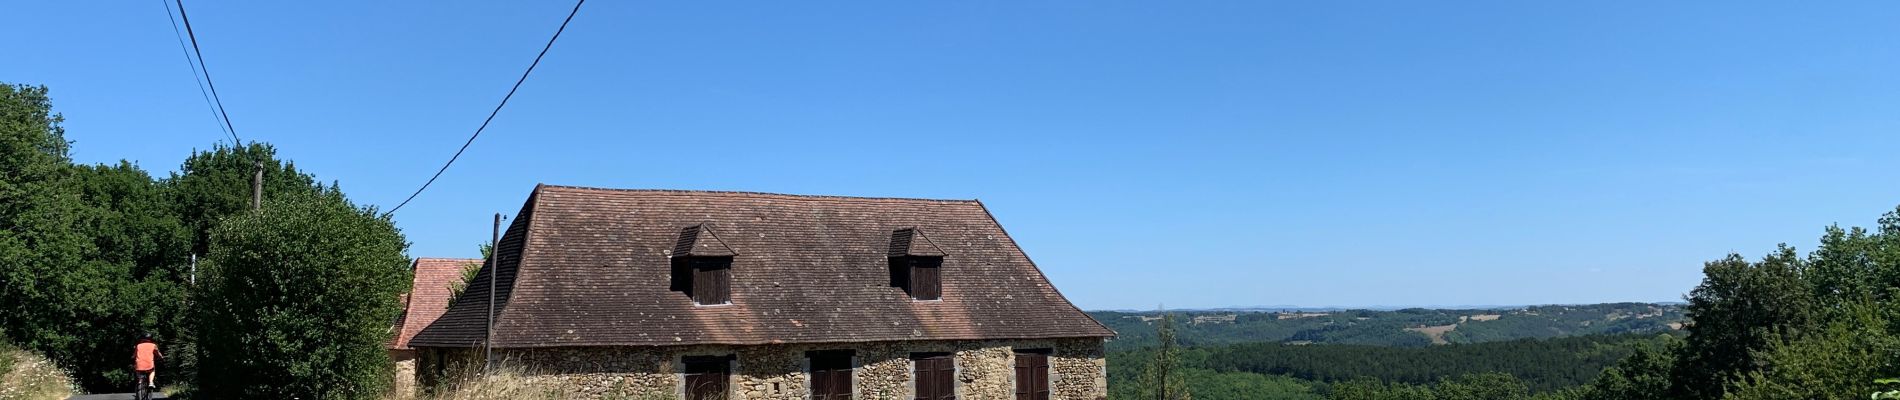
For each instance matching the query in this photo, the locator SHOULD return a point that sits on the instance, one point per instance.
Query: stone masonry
(882, 370)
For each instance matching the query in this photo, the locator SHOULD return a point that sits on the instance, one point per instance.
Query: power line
(207, 73)
(180, 35)
(491, 114)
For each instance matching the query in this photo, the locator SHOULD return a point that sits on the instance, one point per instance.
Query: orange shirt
(143, 356)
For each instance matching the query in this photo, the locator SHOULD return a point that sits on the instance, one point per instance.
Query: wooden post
(494, 268)
(257, 186)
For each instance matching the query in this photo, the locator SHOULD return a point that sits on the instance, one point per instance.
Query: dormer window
(702, 266)
(916, 264)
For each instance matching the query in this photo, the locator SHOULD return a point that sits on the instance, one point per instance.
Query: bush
(298, 300)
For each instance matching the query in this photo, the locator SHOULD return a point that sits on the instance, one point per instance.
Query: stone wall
(985, 369)
(405, 381)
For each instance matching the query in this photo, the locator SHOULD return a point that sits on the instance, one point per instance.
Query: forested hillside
(1789, 326)
(1541, 365)
(1404, 328)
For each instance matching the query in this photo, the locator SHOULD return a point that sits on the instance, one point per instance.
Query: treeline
(1486, 386)
(1395, 327)
(1538, 365)
(1542, 364)
(290, 300)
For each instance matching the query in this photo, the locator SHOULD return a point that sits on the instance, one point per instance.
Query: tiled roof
(428, 297)
(590, 267)
(699, 240)
(912, 242)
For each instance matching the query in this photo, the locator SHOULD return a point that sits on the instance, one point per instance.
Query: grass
(1437, 333)
(28, 376)
(510, 384)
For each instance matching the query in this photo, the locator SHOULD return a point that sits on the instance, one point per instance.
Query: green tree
(468, 274)
(1163, 378)
(1739, 308)
(1643, 375)
(43, 282)
(1840, 362)
(1486, 386)
(1373, 389)
(213, 184)
(297, 301)
(90, 256)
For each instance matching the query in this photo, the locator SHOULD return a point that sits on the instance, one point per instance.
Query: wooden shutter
(830, 375)
(706, 377)
(1032, 375)
(935, 376)
(926, 278)
(712, 281)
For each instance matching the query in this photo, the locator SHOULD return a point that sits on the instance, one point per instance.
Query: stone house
(427, 299)
(726, 295)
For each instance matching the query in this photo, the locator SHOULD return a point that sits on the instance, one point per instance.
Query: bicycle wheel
(143, 391)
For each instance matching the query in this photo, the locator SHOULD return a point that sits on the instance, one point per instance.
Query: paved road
(113, 396)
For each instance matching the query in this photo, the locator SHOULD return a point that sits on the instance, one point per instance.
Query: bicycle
(142, 387)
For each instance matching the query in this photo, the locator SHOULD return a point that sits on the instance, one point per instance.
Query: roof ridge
(420, 259)
(751, 193)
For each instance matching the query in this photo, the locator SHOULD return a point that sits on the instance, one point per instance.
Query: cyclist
(145, 357)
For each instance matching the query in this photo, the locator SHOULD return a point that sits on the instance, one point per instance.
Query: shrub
(297, 302)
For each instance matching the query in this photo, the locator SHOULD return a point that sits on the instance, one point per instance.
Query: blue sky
(1193, 154)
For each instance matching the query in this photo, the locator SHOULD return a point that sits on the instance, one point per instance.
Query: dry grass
(511, 384)
(28, 376)
(1437, 333)
(504, 385)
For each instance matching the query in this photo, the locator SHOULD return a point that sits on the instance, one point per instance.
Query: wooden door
(1032, 376)
(830, 375)
(935, 377)
(706, 378)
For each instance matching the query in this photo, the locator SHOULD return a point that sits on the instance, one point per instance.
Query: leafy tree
(1213, 385)
(1163, 379)
(1641, 376)
(1569, 393)
(1739, 308)
(468, 274)
(216, 183)
(42, 282)
(1486, 386)
(1886, 391)
(1366, 388)
(1841, 362)
(89, 255)
(298, 299)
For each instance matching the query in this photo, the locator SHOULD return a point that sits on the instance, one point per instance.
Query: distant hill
(1414, 327)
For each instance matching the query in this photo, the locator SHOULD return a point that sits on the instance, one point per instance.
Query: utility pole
(257, 186)
(494, 252)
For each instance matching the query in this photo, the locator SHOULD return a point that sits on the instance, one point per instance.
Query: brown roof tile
(428, 296)
(589, 267)
(699, 240)
(912, 242)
